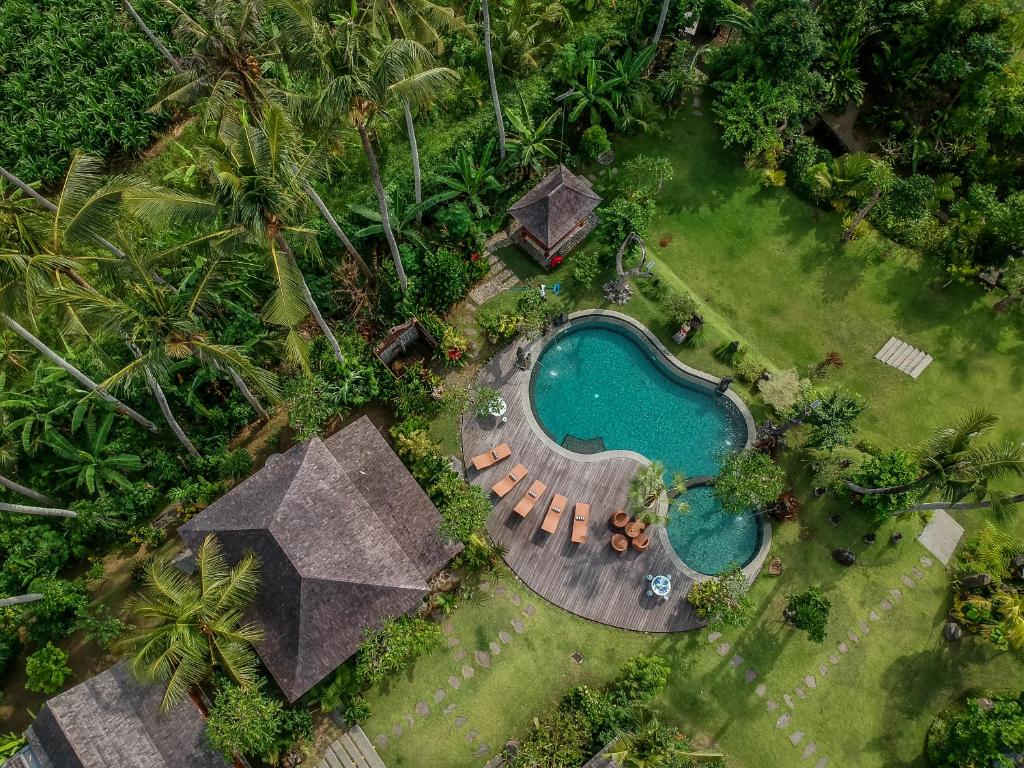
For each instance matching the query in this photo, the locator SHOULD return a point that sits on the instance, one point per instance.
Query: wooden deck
(589, 579)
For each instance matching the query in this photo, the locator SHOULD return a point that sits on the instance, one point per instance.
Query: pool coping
(753, 567)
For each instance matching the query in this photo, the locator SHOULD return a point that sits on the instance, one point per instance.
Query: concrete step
(902, 356)
(911, 363)
(919, 368)
(892, 342)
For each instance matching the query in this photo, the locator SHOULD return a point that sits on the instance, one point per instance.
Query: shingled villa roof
(113, 721)
(553, 209)
(345, 538)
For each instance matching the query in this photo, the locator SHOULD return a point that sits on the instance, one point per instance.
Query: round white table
(661, 586)
(498, 409)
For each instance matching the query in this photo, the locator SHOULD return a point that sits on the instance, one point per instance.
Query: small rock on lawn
(796, 737)
(723, 649)
(783, 720)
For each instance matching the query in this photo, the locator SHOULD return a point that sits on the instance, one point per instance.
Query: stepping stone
(796, 737)
(854, 636)
(864, 628)
(801, 693)
(714, 636)
(772, 706)
(439, 695)
(483, 659)
(885, 605)
(810, 682)
(833, 659)
(908, 581)
(918, 573)
(529, 609)
(823, 669)
(468, 672)
(495, 648)
(482, 750)
(380, 740)
(505, 637)
(450, 708)
(410, 720)
(896, 594)
(874, 616)
(471, 736)
(723, 649)
(761, 690)
(750, 676)
(810, 749)
(460, 654)
(783, 720)
(696, 102)
(843, 648)
(788, 699)
(926, 562)
(821, 763)
(461, 721)
(447, 628)
(735, 661)
(422, 708)
(518, 626)
(499, 591)
(516, 599)
(397, 730)
(698, 113)
(453, 641)
(454, 682)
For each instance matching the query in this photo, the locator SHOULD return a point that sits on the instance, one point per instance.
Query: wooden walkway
(589, 579)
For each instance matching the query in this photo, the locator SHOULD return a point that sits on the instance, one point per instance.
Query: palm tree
(31, 597)
(366, 77)
(485, 6)
(252, 167)
(661, 23)
(952, 464)
(648, 486)
(861, 178)
(191, 625)
(655, 745)
(151, 36)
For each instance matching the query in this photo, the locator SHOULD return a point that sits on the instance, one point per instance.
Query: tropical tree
(748, 480)
(191, 625)
(526, 33)
(648, 486)
(251, 163)
(661, 22)
(652, 744)
(860, 178)
(473, 178)
(151, 36)
(954, 465)
(93, 465)
(593, 93)
(485, 8)
(403, 218)
(531, 140)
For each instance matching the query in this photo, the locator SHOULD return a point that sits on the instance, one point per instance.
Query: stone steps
(904, 357)
(352, 750)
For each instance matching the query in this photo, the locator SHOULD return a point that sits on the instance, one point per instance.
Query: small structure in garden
(404, 345)
(345, 537)
(555, 216)
(113, 721)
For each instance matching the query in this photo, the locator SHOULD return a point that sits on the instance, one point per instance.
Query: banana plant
(94, 464)
(473, 178)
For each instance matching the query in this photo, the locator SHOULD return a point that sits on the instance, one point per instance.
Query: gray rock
(772, 706)
(896, 594)
(1016, 565)
(783, 720)
(874, 616)
(854, 636)
(735, 661)
(844, 557)
(724, 649)
(495, 648)
(461, 721)
(761, 690)
(518, 626)
(439, 695)
(952, 631)
(796, 737)
(422, 708)
(529, 609)
(483, 659)
(714, 636)
(505, 637)
(788, 699)
(454, 682)
(886, 605)
(864, 628)
(975, 581)
(810, 749)
(810, 682)
(750, 676)
(468, 672)
(843, 648)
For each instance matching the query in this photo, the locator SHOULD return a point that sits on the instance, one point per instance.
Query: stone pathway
(466, 667)
(500, 278)
(811, 683)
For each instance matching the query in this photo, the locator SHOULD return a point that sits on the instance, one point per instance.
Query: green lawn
(770, 272)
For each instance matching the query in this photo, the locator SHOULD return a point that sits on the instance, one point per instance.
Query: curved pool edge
(754, 565)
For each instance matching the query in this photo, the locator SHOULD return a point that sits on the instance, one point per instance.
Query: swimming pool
(599, 384)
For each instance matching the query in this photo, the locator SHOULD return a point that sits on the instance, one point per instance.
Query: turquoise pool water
(602, 380)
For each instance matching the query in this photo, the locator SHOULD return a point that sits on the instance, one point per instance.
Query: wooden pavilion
(555, 216)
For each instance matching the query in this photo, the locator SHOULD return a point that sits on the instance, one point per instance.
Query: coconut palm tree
(648, 486)
(859, 178)
(191, 625)
(485, 7)
(953, 464)
(152, 37)
(661, 23)
(655, 745)
(366, 77)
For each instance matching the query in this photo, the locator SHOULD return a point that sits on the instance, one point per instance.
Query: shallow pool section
(601, 380)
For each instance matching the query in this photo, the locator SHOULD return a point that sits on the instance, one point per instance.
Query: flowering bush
(453, 346)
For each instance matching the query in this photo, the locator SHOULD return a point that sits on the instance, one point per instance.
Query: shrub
(312, 402)
(749, 368)
(357, 710)
(585, 268)
(781, 390)
(465, 514)
(393, 647)
(833, 423)
(978, 734)
(47, 669)
(445, 279)
(988, 551)
(248, 721)
(642, 679)
(809, 611)
(748, 480)
(594, 143)
(627, 214)
(890, 468)
(679, 308)
(484, 400)
(52, 617)
(723, 601)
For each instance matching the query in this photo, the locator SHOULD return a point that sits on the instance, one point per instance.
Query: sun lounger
(579, 523)
(529, 501)
(509, 481)
(554, 513)
(492, 457)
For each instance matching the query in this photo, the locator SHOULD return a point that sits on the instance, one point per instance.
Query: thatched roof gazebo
(345, 537)
(553, 217)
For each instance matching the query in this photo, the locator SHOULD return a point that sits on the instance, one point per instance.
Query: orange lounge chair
(509, 481)
(529, 501)
(579, 523)
(554, 513)
(492, 457)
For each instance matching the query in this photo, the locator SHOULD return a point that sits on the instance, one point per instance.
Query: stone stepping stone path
(810, 682)
(750, 676)
(823, 669)
(903, 357)
(918, 573)
(482, 750)
(788, 699)
(874, 616)
(843, 648)
(439, 695)
(926, 562)
(471, 736)
(821, 763)
(801, 693)
(461, 721)
(453, 641)
(410, 720)
(864, 628)
(468, 672)
(761, 690)
(796, 737)
(735, 661)
(833, 659)
(885, 605)
(854, 636)
(483, 659)
(908, 581)
(495, 648)
(447, 628)
(499, 591)
(397, 730)
(518, 626)
(783, 720)
(713, 637)
(460, 654)
(454, 682)
(499, 279)
(380, 740)
(772, 706)
(450, 708)
(809, 750)
(422, 708)
(723, 649)
(516, 599)
(505, 637)
(529, 609)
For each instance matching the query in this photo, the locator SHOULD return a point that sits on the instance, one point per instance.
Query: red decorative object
(474, 256)
(454, 354)
(556, 261)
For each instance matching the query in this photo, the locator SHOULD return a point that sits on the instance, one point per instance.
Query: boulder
(844, 557)
(975, 581)
(952, 631)
(1017, 567)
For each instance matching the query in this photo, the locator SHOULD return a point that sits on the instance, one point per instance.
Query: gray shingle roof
(551, 210)
(113, 721)
(345, 537)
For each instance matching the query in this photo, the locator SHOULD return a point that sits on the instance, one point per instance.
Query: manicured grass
(770, 272)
